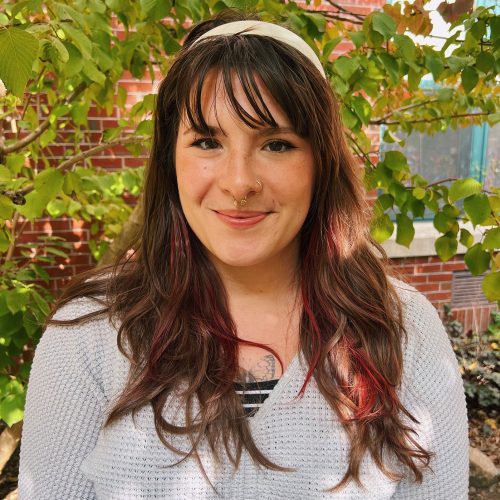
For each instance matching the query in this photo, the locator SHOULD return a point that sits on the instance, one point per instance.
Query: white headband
(265, 29)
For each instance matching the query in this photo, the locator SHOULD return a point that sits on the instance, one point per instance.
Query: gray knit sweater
(77, 371)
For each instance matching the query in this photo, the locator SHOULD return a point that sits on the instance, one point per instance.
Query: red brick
(445, 286)
(427, 287)
(440, 277)
(454, 266)
(428, 268)
(417, 278)
(438, 296)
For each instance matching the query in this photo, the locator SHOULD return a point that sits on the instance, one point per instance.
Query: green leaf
(56, 251)
(93, 74)
(405, 230)
(386, 201)
(406, 47)
(383, 24)
(11, 408)
(170, 44)
(491, 286)
(478, 29)
(443, 223)
(18, 51)
(349, 119)
(477, 208)
(329, 46)
(395, 160)
(41, 302)
(419, 193)
(391, 66)
(72, 183)
(345, 67)
(456, 63)
(446, 247)
(49, 182)
(56, 207)
(75, 60)
(6, 207)
(34, 206)
(469, 78)
(60, 48)
(79, 38)
(358, 38)
(382, 228)
(477, 259)
(10, 323)
(462, 188)
(466, 238)
(17, 299)
(435, 64)
(492, 239)
(362, 108)
(154, 10)
(5, 174)
(485, 62)
(445, 94)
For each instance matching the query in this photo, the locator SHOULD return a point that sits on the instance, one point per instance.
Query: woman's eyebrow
(263, 131)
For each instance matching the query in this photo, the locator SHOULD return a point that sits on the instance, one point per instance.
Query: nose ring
(243, 201)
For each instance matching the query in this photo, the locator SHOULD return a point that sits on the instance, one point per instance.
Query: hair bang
(240, 66)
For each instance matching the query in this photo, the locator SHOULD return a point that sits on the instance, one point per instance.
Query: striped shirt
(253, 394)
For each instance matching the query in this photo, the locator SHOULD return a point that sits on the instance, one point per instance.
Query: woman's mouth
(240, 219)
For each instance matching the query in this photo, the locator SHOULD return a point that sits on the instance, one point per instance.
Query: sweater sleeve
(432, 391)
(63, 413)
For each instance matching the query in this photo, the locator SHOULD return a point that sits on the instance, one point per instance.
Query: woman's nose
(238, 177)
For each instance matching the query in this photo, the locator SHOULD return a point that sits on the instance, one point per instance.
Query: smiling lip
(240, 219)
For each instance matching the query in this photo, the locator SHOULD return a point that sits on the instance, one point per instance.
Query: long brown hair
(172, 307)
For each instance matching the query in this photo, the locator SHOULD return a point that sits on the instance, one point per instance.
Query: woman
(254, 275)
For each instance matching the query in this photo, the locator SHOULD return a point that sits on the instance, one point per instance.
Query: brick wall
(428, 274)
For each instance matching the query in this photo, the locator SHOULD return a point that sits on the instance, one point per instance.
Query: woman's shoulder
(416, 306)
(426, 338)
(90, 341)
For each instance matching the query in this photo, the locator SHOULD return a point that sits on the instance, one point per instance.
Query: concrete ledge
(423, 243)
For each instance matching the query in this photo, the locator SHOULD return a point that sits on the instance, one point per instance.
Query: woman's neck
(266, 281)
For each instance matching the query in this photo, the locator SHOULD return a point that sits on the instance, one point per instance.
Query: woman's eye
(279, 146)
(206, 144)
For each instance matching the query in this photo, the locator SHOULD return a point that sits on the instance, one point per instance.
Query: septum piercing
(244, 200)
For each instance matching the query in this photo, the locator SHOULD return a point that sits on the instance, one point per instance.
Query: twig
(41, 128)
(404, 108)
(335, 17)
(345, 11)
(15, 235)
(30, 95)
(360, 151)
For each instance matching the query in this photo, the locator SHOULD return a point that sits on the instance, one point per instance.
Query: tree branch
(333, 16)
(429, 120)
(18, 196)
(16, 146)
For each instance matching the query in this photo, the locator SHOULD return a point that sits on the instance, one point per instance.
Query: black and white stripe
(253, 394)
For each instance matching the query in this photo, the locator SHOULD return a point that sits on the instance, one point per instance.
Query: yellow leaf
(491, 423)
(473, 365)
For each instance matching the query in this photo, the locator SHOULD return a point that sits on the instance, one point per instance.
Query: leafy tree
(58, 59)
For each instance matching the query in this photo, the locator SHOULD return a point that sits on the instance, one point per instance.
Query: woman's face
(214, 171)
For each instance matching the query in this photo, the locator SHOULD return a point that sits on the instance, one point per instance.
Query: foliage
(478, 355)
(62, 61)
